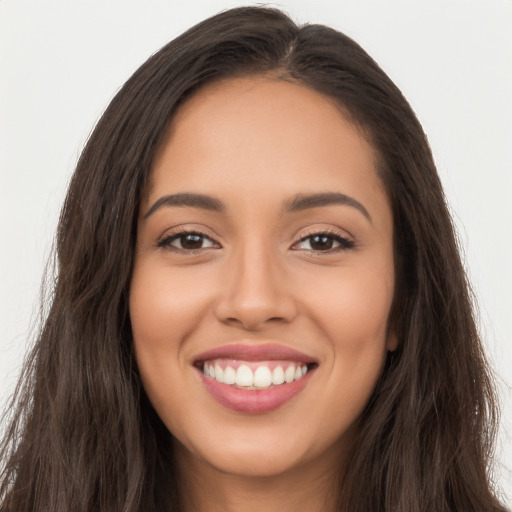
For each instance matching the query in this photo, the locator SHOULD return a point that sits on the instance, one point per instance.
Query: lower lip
(254, 401)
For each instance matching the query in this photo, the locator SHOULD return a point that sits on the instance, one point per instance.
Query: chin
(264, 451)
(247, 460)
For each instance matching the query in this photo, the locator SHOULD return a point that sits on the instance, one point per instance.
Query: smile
(253, 379)
(250, 376)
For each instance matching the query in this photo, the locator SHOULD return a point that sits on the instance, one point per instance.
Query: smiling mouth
(253, 378)
(252, 375)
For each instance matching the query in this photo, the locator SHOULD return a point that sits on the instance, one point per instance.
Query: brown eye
(187, 242)
(190, 241)
(324, 242)
(321, 242)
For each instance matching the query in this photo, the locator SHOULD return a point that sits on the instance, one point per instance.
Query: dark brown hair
(83, 436)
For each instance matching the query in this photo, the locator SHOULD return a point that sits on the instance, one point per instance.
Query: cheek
(353, 318)
(164, 309)
(165, 306)
(353, 307)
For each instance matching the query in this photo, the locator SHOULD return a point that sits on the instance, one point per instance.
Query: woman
(259, 302)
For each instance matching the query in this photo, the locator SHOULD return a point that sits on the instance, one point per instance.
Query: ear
(392, 341)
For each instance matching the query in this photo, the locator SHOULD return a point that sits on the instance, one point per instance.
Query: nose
(256, 291)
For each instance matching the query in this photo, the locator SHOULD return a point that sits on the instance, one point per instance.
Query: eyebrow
(186, 199)
(298, 203)
(303, 202)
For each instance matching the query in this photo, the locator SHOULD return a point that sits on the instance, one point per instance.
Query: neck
(312, 487)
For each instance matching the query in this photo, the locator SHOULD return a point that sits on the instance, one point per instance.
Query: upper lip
(259, 352)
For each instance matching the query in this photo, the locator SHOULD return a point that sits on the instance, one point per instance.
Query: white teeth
(289, 374)
(277, 376)
(244, 376)
(262, 377)
(229, 375)
(219, 373)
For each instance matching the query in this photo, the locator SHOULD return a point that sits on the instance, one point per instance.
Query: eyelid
(346, 242)
(164, 242)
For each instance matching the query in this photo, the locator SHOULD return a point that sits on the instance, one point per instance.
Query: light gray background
(61, 62)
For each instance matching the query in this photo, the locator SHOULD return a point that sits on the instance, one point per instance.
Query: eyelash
(344, 242)
(165, 243)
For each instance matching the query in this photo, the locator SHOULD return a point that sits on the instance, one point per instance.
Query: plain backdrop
(61, 63)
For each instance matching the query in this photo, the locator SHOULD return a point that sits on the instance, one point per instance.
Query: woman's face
(264, 251)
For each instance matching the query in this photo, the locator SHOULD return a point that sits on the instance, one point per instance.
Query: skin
(255, 143)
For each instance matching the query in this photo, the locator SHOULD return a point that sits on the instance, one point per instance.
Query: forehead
(266, 137)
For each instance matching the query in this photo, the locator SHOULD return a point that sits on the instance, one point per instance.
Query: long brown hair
(82, 435)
